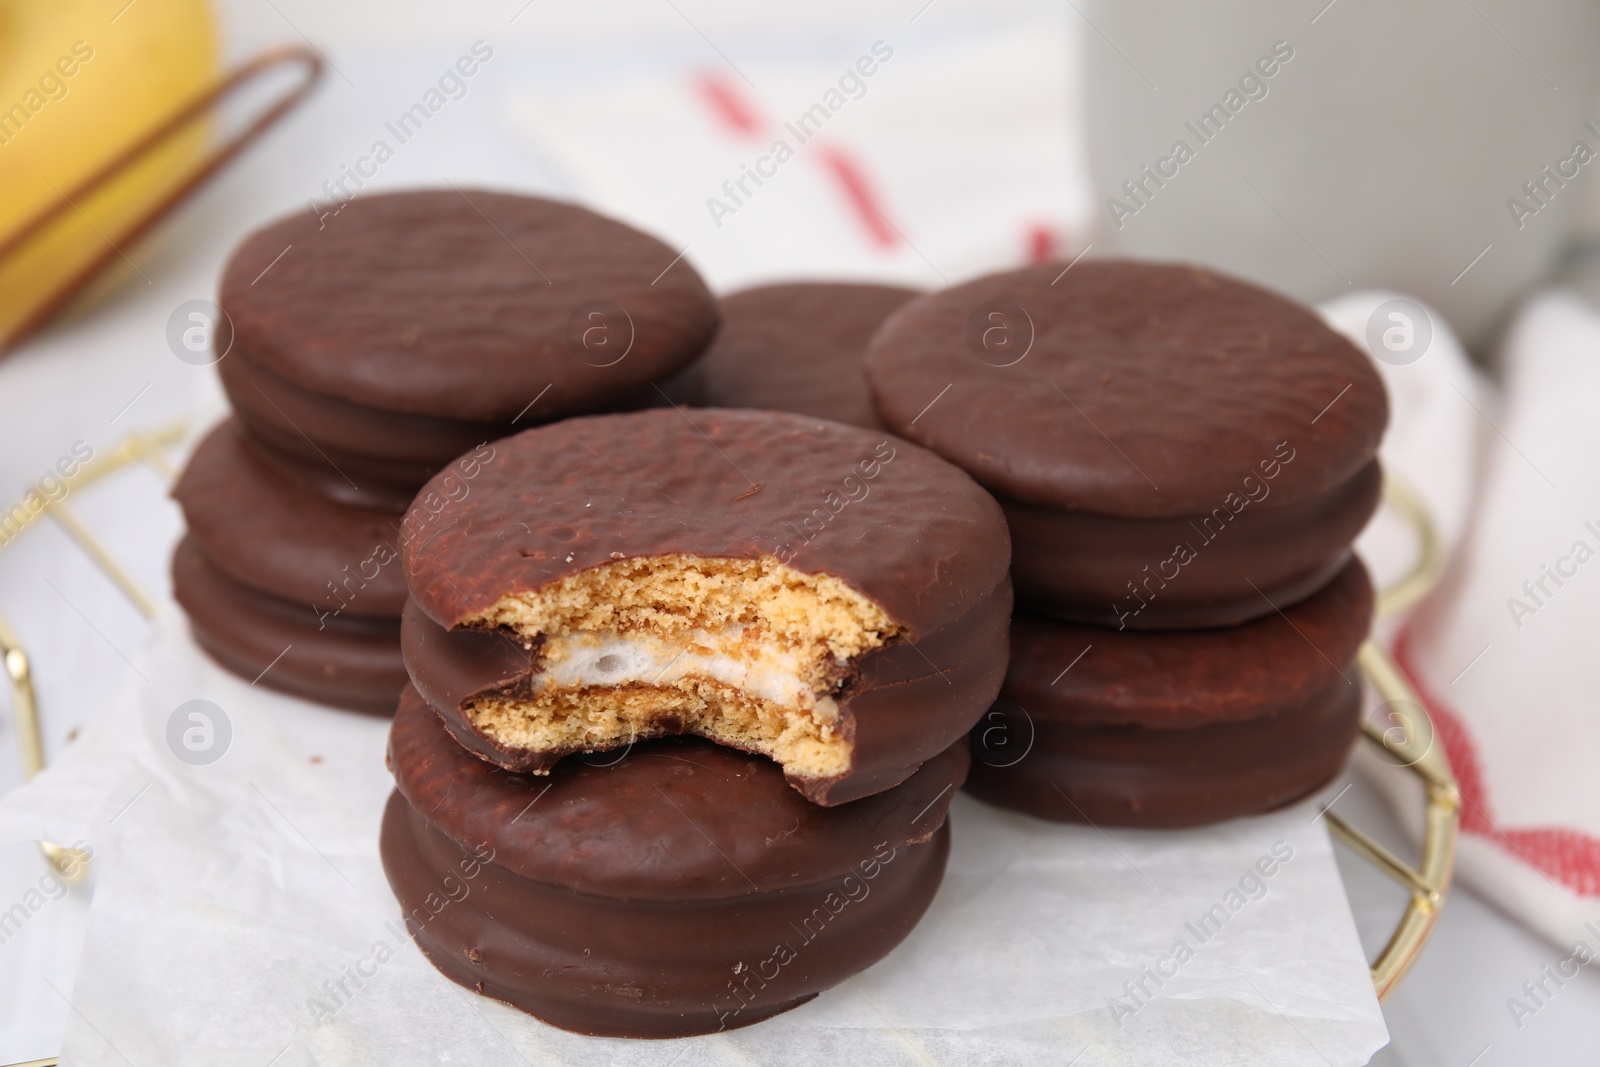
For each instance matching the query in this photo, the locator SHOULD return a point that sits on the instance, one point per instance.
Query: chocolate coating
(798, 347)
(906, 705)
(351, 662)
(1178, 680)
(1178, 728)
(672, 820)
(330, 479)
(464, 305)
(1125, 573)
(360, 455)
(622, 899)
(349, 452)
(268, 533)
(1168, 779)
(1131, 390)
(920, 538)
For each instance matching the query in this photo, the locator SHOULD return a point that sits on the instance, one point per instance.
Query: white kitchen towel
(1433, 441)
(1504, 654)
(922, 153)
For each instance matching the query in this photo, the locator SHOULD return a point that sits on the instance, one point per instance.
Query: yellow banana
(81, 80)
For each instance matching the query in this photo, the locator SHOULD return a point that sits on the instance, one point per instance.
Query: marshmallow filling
(746, 652)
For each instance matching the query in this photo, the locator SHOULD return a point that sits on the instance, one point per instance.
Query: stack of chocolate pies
(1184, 461)
(685, 693)
(690, 697)
(368, 351)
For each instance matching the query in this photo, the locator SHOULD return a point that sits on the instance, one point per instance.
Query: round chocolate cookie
(678, 888)
(1173, 448)
(399, 332)
(1176, 729)
(345, 660)
(831, 597)
(268, 533)
(361, 457)
(798, 347)
(333, 481)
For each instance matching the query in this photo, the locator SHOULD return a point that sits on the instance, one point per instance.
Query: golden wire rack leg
(1413, 744)
(1425, 573)
(69, 863)
(1410, 744)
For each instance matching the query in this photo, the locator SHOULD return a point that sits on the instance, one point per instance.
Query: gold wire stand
(70, 863)
(1413, 746)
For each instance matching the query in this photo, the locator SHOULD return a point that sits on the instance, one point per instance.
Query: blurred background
(1438, 148)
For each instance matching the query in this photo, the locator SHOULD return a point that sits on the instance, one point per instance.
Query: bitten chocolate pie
(831, 597)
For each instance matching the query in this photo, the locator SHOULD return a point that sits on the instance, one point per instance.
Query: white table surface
(74, 380)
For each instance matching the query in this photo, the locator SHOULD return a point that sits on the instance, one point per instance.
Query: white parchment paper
(240, 915)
